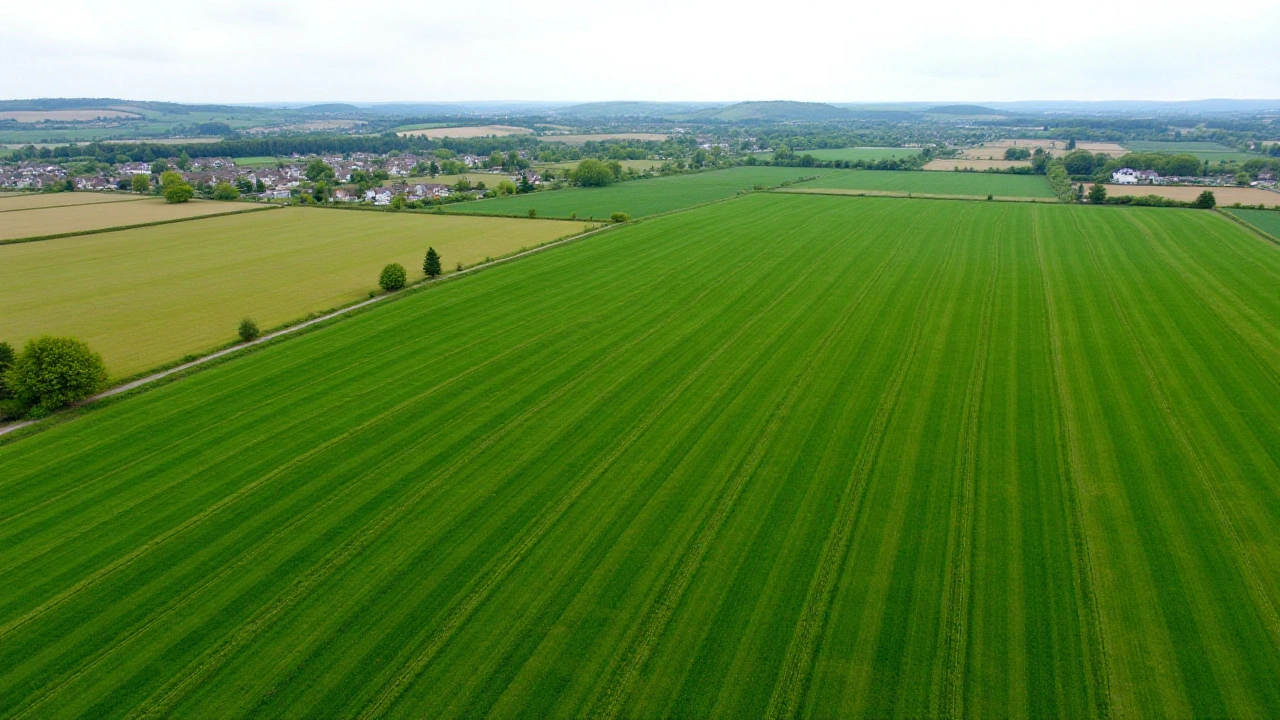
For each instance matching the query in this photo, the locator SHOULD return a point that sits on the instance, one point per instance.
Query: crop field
(784, 456)
(490, 180)
(638, 198)
(1187, 193)
(38, 222)
(959, 184)
(467, 132)
(963, 163)
(638, 165)
(861, 153)
(1267, 221)
(148, 296)
(28, 201)
(601, 137)
(1211, 151)
(258, 161)
(34, 116)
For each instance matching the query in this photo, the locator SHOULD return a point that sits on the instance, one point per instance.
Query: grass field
(602, 137)
(935, 183)
(258, 161)
(79, 218)
(1267, 221)
(861, 153)
(27, 201)
(1211, 151)
(148, 296)
(782, 456)
(639, 198)
(639, 165)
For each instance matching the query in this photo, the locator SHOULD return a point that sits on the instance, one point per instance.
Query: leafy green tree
(1016, 153)
(592, 173)
(506, 187)
(393, 277)
(158, 167)
(53, 372)
(225, 191)
(620, 217)
(1242, 178)
(1098, 194)
(259, 186)
(495, 159)
(1078, 162)
(6, 362)
(318, 170)
(431, 263)
(397, 202)
(1206, 200)
(249, 330)
(140, 183)
(533, 213)
(184, 161)
(178, 192)
(321, 191)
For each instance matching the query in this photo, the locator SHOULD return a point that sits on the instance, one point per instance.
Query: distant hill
(330, 109)
(776, 111)
(964, 110)
(100, 103)
(627, 108)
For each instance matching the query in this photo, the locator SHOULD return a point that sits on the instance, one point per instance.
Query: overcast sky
(367, 50)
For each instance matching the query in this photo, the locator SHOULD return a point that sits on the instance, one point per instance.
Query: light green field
(28, 201)
(783, 456)
(490, 180)
(1211, 151)
(638, 198)
(148, 296)
(961, 184)
(860, 153)
(85, 217)
(259, 161)
(637, 165)
(1266, 220)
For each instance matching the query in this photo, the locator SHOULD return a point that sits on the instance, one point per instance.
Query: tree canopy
(592, 173)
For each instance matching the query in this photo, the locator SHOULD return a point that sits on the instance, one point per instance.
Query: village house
(1125, 176)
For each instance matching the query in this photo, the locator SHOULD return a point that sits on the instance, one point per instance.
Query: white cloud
(237, 51)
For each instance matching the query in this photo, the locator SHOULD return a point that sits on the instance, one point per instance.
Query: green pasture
(783, 456)
(1266, 220)
(149, 296)
(935, 183)
(258, 161)
(860, 153)
(638, 198)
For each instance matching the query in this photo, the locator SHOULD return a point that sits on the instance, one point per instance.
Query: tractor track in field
(1096, 651)
(797, 664)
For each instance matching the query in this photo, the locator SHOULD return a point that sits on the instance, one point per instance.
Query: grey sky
(286, 50)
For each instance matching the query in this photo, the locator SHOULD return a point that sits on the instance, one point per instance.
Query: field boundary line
(3, 209)
(797, 663)
(1096, 653)
(416, 287)
(1226, 212)
(117, 228)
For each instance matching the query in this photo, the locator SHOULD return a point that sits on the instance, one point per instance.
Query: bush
(1206, 200)
(225, 191)
(533, 213)
(1098, 193)
(249, 330)
(393, 277)
(620, 217)
(53, 372)
(140, 183)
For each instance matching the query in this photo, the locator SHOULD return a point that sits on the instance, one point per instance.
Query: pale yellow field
(975, 164)
(995, 150)
(28, 201)
(633, 164)
(580, 139)
(31, 116)
(148, 296)
(1187, 193)
(82, 218)
(489, 179)
(467, 132)
(1111, 149)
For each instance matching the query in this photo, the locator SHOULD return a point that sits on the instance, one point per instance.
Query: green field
(963, 184)
(1266, 220)
(148, 296)
(781, 456)
(638, 198)
(861, 153)
(259, 161)
(1211, 151)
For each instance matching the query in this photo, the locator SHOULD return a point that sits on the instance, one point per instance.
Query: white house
(1125, 176)
(379, 196)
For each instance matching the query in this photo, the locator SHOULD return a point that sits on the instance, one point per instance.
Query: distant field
(420, 126)
(27, 201)
(972, 164)
(780, 457)
(81, 218)
(32, 116)
(935, 183)
(259, 161)
(489, 179)
(638, 198)
(1267, 221)
(467, 132)
(148, 296)
(861, 153)
(639, 165)
(600, 137)
(1187, 193)
(1213, 152)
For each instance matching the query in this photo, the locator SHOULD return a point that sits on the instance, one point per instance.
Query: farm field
(861, 153)
(600, 137)
(34, 116)
(467, 132)
(1211, 151)
(37, 222)
(490, 180)
(638, 198)
(1187, 193)
(952, 164)
(639, 165)
(259, 161)
(28, 201)
(995, 150)
(822, 457)
(1267, 221)
(148, 296)
(934, 183)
